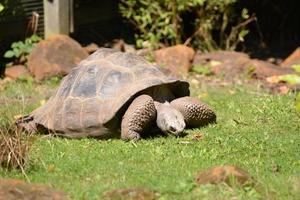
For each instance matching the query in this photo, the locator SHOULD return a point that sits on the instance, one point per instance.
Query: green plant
(217, 24)
(220, 26)
(292, 78)
(1, 7)
(11, 8)
(21, 49)
(156, 21)
(203, 69)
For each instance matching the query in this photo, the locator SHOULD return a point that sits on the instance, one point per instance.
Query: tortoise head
(169, 120)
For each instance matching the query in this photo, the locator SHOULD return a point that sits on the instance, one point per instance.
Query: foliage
(9, 8)
(256, 131)
(162, 22)
(292, 78)
(20, 50)
(203, 69)
(220, 26)
(298, 102)
(1, 7)
(296, 68)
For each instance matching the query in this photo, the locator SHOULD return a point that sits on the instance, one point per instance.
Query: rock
(232, 64)
(120, 45)
(130, 194)
(11, 189)
(54, 56)
(259, 69)
(228, 174)
(129, 48)
(16, 71)
(293, 59)
(91, 48)
(226, 63)
(178, 59)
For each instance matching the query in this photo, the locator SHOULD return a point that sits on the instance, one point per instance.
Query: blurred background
(264, 29)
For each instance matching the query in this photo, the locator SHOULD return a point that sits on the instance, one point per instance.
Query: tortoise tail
(27, 123)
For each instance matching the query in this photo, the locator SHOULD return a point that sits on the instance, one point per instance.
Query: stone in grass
(177, 59)
(11, 189)
(16, 71)
(55, 56)
(129, 194)
(231, 175)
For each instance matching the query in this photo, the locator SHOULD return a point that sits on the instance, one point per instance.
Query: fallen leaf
(231, 92)
(51, 168)
(42, 102)
(203, 95)
(198, 137)
(214, 63)
(290, 78)
(18, 116)
(273, 79)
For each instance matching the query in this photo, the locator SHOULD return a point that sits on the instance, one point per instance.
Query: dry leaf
(42, 102)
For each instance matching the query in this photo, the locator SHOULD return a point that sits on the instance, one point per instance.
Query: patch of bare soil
(130, 194)
(12, 189)
(231, 175)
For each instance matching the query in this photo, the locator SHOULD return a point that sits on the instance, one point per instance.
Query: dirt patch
(231, 175)
(130, 194)
(11, 189)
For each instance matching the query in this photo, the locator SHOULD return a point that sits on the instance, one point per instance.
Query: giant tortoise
(116, 94)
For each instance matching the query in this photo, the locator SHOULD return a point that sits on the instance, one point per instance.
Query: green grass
(256, 131)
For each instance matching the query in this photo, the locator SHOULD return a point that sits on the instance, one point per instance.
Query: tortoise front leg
(138, 117)
(195, 112)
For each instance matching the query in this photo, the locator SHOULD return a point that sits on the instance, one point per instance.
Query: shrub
(215, 23)
(1, 7)
(20, 50)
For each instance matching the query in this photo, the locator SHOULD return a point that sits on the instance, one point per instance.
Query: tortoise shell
(93, 97)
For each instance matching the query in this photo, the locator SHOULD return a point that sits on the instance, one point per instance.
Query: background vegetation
(207, 25)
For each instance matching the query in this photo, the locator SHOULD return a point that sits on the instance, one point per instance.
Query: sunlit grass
(256, 131)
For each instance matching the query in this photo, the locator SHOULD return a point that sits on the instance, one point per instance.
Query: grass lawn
(255, 131)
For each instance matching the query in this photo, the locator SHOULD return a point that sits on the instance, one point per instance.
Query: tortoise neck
(160, 94)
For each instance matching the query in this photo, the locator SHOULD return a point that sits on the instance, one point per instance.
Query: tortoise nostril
(172, 129)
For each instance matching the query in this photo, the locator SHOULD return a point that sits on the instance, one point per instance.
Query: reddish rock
(130, 194)
(292, 59)
(16, 71)
(227, 63)
(178, 59)
(56, 55)
(91, 48)
(228, 174)
(236, 64)
(261, 69)
(11, 189)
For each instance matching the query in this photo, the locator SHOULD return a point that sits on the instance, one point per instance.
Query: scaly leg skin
(195, 112)
(138, 117)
